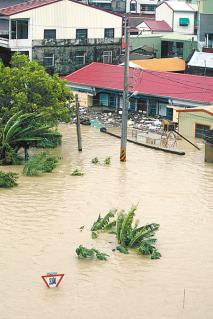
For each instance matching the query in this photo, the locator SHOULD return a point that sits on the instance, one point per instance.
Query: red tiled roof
(163, 84)
(33, 4)
(25, 6)
(161, 26)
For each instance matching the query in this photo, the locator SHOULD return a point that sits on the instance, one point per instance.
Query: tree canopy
(27, 87)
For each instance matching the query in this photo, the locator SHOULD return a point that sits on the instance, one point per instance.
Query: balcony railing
(4, 42)
(70, 42)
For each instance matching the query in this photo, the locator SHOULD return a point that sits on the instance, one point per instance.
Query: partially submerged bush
(8, 180)
(95, 160)
(129, 236)
(107, 160)
(40, 163)
(76, 172)
(84, 252)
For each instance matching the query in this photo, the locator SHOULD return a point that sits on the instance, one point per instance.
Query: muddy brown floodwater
(39, 232)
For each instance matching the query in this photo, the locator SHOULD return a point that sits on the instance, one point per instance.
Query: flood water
(39, 232)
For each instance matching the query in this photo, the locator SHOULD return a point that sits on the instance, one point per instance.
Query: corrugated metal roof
(164, 64)
(164, 84)
(202, 59)
(206, 109)
(160, 26)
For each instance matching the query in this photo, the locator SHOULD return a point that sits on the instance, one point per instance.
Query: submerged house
(151, 92)
(62, 35)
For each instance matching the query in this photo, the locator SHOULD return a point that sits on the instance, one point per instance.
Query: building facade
(63, 35)
(205, 26)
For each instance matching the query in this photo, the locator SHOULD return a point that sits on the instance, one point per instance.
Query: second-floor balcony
(76, 42)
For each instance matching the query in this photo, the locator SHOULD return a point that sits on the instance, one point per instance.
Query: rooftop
(179, 6)
(160, 26)
(164, 84)
(202, 59)
(164, 64)
(33, 4)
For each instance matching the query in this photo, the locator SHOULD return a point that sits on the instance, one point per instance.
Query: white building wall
(139, 2)
(163, 12)
(184, 29)
(67, 16)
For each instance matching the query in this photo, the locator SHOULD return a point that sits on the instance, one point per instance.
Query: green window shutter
(184, 21)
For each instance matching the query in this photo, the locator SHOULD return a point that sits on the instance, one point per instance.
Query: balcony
(75, 42)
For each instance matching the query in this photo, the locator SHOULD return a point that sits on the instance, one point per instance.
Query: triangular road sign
(52, 280)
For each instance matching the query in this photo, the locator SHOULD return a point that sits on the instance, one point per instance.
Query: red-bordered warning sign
(52, 280)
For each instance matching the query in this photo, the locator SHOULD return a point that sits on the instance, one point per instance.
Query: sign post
(52, 279)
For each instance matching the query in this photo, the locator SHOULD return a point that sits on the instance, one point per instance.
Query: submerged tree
(23, 131)
(27, 87)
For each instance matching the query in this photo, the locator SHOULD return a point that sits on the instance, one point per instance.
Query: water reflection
(39, 228)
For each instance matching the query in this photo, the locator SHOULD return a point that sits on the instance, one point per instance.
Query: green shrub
(76, 172)
(40, 163)
(107, 160)
(95, 160)
(8, 180)
(84, 252)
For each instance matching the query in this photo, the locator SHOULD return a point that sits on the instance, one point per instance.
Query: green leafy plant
(129, 234)
(8, 180)
(103, 223)
(107, 160)
(23, 131)
(40, 163)
(95, 160)
(84, 252)
(122, 249)
(76, 172)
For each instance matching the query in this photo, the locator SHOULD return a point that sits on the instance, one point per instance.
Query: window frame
(14, 34)
(106, 55)
(106, 36)
(81, 38)
(80, 54)
(48, 57)
(50, 30)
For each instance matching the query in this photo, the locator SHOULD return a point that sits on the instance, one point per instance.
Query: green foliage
(129, 235)
(102, 223)
(22, 131)
(40, 163)
(122, 249)
(107, 160)
(50, 141)
(84, 252)
(27, 87)
(8, 180)
(126, 227)
(76, 172)
(95, 160)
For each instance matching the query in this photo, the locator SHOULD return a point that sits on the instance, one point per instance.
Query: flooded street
(39, 231)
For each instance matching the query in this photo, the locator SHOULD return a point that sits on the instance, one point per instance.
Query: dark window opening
(201, 130)
(81, 34)
(19, 29)
(109, 33)
(50, 34)
(48, 60)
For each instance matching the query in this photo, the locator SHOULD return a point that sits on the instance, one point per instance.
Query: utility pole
(78, 127)
(125, 95)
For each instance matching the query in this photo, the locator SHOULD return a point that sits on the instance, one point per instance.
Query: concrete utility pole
(78, 127)
(125, 95)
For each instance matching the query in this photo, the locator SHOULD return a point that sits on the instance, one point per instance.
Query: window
(133, 6)
(184, 22)
(147, 7)
(48, 60)
(201, 130)
(80, 58)
(209, 40)
(107, 57)
(81, 34)
(50, 34)
(109, 33)
(19, 29)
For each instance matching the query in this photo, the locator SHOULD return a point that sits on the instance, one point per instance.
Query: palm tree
(23, 131)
